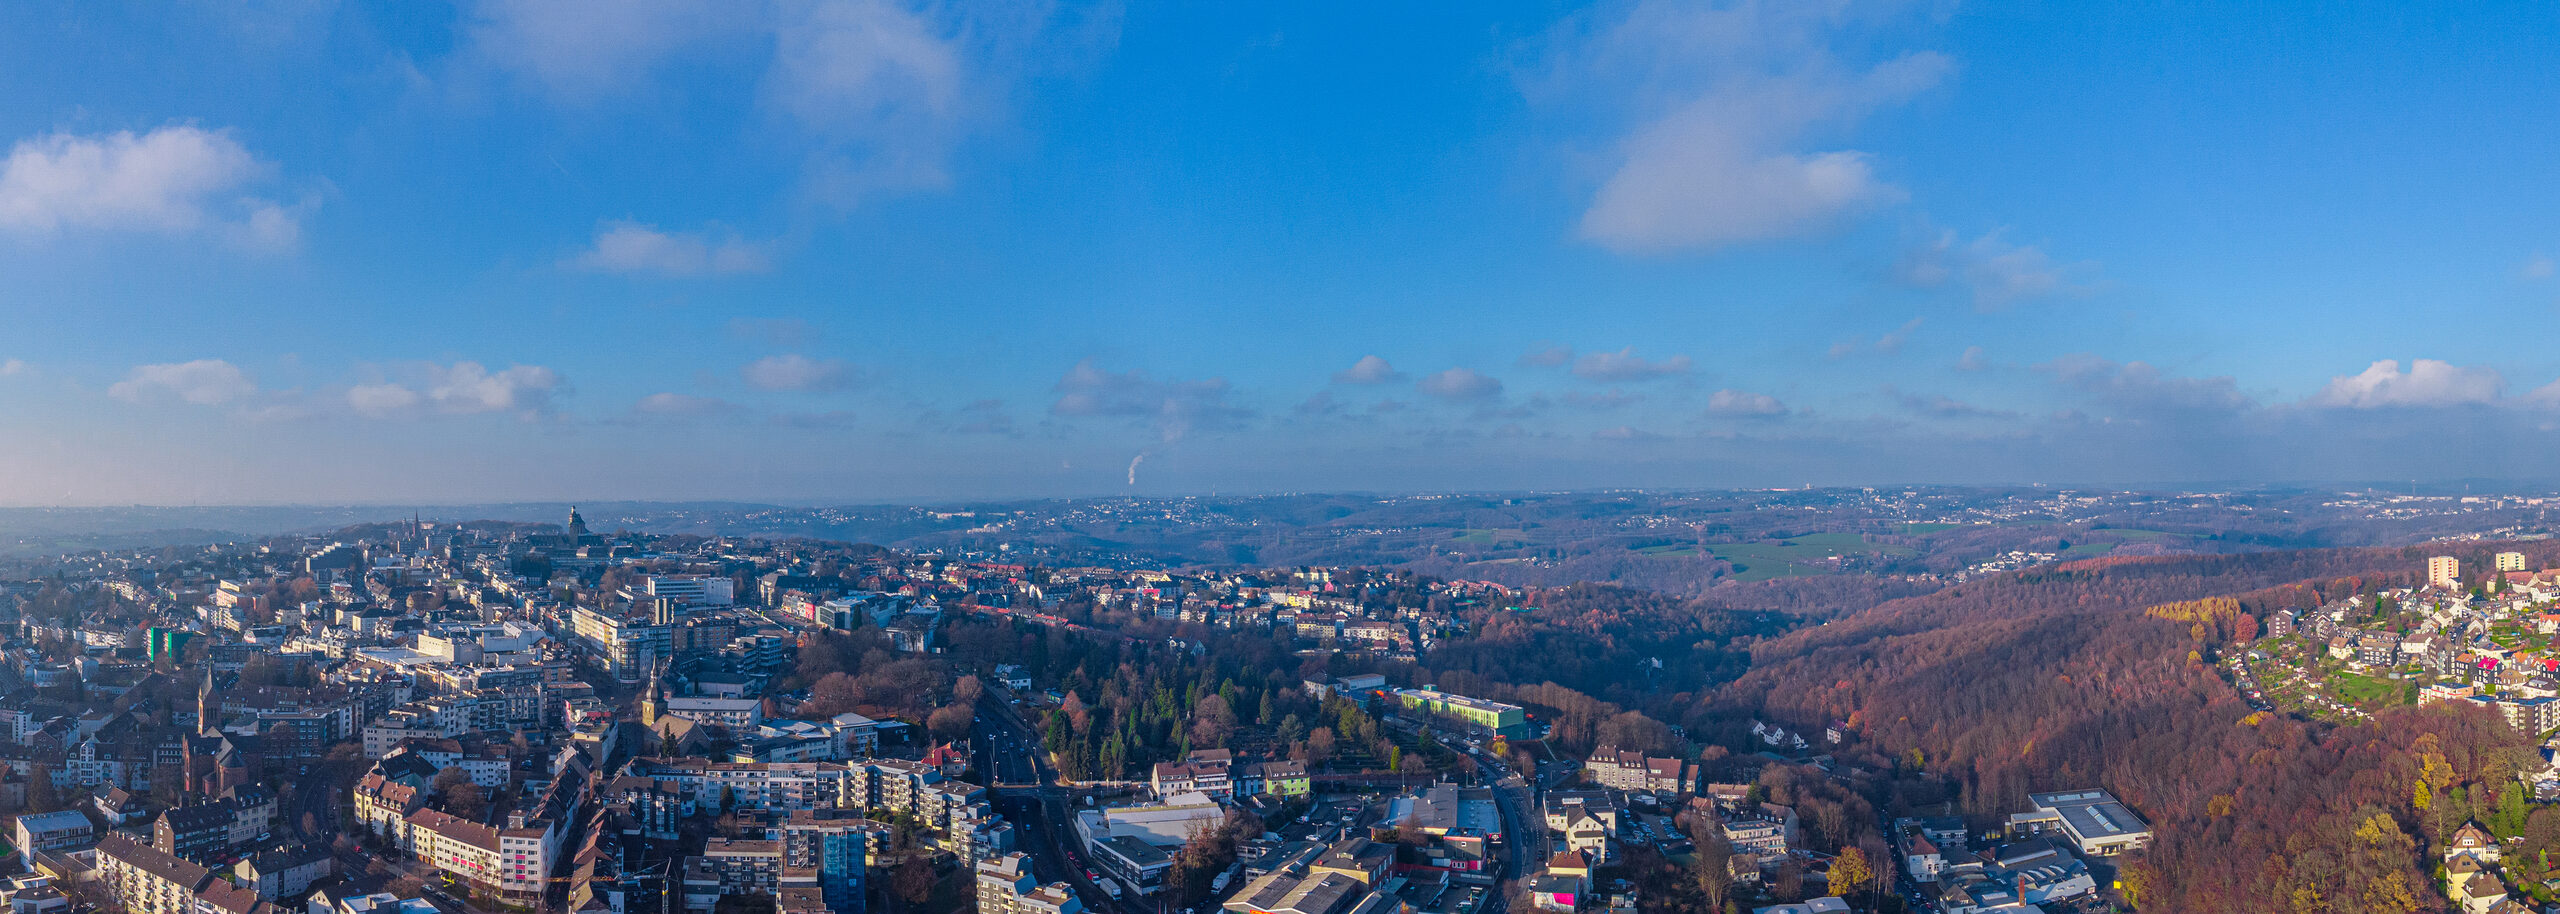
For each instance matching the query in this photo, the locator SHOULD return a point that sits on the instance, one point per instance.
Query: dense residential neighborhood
(474, 718)
(480, 717)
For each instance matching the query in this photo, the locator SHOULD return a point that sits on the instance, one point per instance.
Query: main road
(1026, 790)
(1524, 828)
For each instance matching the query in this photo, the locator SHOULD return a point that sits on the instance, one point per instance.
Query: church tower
(208, 720)
(577, 525)
(653, 704)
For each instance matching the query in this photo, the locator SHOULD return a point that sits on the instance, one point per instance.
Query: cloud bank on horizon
(503, 249)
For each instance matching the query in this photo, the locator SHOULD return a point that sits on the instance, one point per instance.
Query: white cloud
(632, 247)
(467, 387)
(1744, 403)
(1460, 384)
(1999, 274)
(1685, 188)
(1973, 359)
(1626, 365)
(203, 382)
(10, 368)
(173, 180)
(381, 399)
(2427, 382)
(461, 389)
(797, 372)
(1723, 97)
(1369, 370)
(2538, 266)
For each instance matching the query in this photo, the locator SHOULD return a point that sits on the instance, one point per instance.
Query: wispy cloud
(1721, 98)
(986, 417)
(1891, 342)
(814, 421)
(881, 86)
(2142, 387)
(580, 50)
(876, 94)
(1369, 370)
(1744, 404)
(1625, 365)
(1175, 408)
(1460, 384)
(1997, 273)
(632, 247)
(798, 373)
(1546, 357)
(1944, 407)
(1625, 433)
(676, 404)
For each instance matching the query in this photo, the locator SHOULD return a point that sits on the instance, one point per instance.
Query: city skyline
(312, 252)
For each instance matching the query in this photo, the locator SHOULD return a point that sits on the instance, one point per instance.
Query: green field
(2123, 534)
(1924, 529)
(1484, 536)
(1800, 556)
(2367, 692)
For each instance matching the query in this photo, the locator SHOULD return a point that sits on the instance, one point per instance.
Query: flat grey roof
(1138, 853)
(2091, 814)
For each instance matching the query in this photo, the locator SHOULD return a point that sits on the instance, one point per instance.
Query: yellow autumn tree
(1849, 872)
(2134, 883)
(2210, 616)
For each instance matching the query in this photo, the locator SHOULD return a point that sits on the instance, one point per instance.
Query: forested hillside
(2059, 677)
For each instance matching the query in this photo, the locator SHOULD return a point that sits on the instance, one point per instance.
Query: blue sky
(308, 251)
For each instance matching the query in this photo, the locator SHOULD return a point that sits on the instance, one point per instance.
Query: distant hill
(1782, 544)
